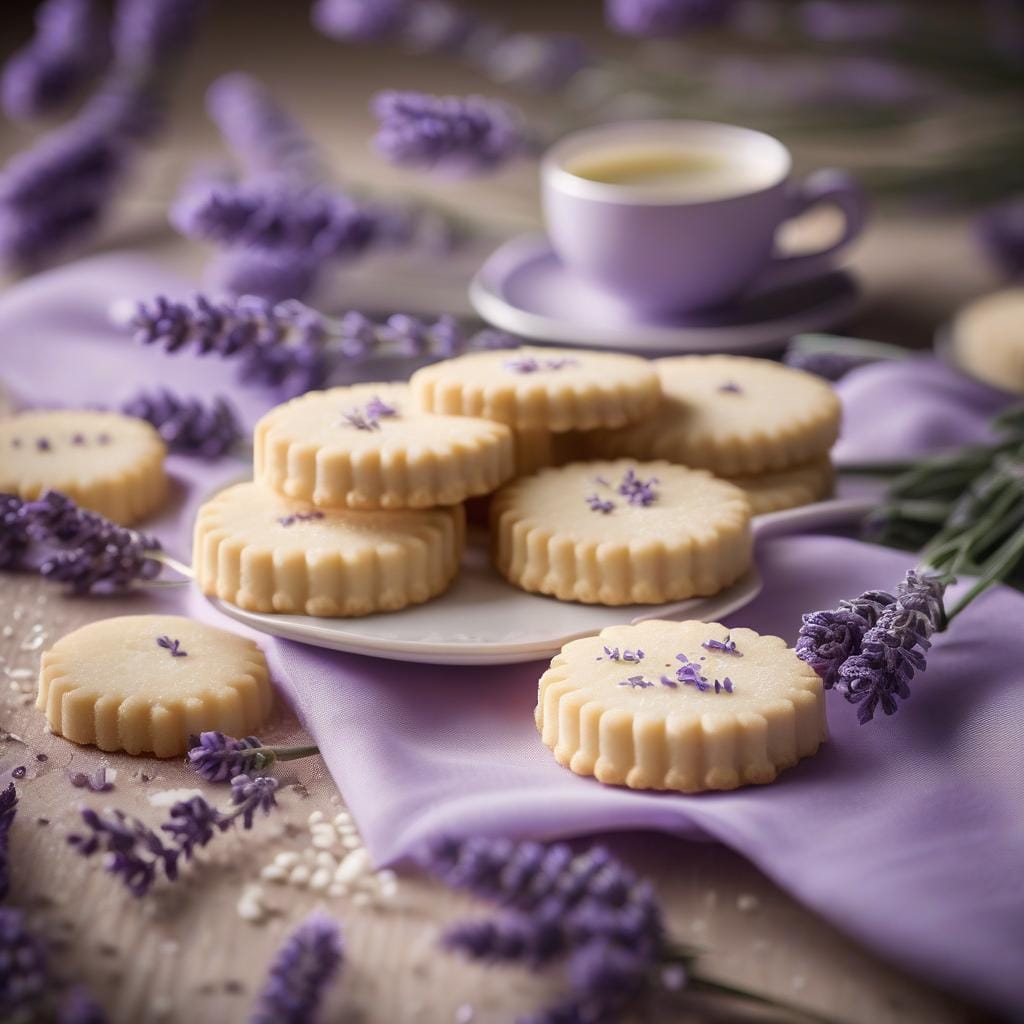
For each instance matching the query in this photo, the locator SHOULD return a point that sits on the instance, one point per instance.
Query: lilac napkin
(908, 832)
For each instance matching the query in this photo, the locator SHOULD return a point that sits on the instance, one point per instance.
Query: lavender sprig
(14, 536)
(464, 135)
(25, 979)
(305, 965)
(288, 345)
(93, 552)
(666, 17)
(187, 425)
(147, 33)
(138, 855)
(217, 757)
(67, 50)
(8, 810)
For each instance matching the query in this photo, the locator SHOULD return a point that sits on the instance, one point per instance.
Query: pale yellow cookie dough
(145, 683)
(328, 448)
(106, 462)
(551, 388)
(264, 553)
(570, 533)
(731, 414)
(788, 488)
(625, 709)
(988, 339)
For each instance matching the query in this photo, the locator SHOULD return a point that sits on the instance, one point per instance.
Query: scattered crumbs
(250, 906)
(170, 797)
(42, 821)
(747, 902)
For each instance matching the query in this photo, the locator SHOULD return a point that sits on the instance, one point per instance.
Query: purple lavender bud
(25, 980)
(97, 553)
(360, 20)
(193, 823)
(301, 971)
(14, 536)
(275, 275)
(850, 21)
(666, 17)
(217, 757)
(539, 61)
(68, 49)
(264, 137)
(436, 26)
(134, 853)
(187, 425)
(607, 975)
(637, 491)
(147, 33)
(463, 135)
(535, 939)
(1000, 233)
(8, 810)
(250, 795)
(79, 1007)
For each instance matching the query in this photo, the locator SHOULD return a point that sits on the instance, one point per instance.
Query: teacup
(674, 216)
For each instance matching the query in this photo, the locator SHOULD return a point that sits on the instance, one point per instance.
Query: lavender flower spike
(68, 49)
(25, 980)
(8, 809)
(360, 20)
(302, 969)
(666, 17)
(14, 538)
(149, 32)
(469, 135)
(218, 758)
(187, 425)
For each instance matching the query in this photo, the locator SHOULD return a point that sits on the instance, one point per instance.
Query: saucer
(525, 289)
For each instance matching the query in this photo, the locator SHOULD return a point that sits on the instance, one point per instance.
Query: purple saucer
(525, 289)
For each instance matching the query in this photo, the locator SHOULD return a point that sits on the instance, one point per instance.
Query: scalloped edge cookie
(690, 429)
(126, 495)
(988, 340)
(471, 458)
(416, 558)
(161, 726)
(788, 488)
(686, 751)
(571, 389)
(544, 557)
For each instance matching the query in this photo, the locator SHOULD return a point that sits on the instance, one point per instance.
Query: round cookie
(788, 488)
(988, 339)
(106, 462)
(621, 532)
(732, 415)
(366, 447)
(259, 551)
(146, 683)
(687, 706)
(551, 388)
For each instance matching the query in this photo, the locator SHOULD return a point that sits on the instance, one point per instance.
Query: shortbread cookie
(688, 706)
(264, 553)
(621, 532)
(988, 339)
(788, 488)
(551, 388)
(106, 462)
(366, 447)
(145, 683)
(732, 415)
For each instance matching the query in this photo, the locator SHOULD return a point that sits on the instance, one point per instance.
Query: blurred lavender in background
(450, 134)
(1000, 233)
(851, 21)
(666, 17)
(68, 50)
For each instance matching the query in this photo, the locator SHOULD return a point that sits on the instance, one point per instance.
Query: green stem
(171, 563)
(704, 985)
(1000, 565)
(288, 753)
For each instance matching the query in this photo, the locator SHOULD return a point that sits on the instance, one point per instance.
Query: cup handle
(826, 186)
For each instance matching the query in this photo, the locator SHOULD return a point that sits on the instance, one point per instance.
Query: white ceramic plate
(484, 620)
(523, 288)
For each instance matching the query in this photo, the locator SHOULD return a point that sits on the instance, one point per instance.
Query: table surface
(186, 954)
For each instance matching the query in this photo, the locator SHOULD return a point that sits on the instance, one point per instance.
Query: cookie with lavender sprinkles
(367, 447)
(687, 706)
(106, 462)
(145, 683)
(621, 532)
(262, 552)
(554, 389)
(731, 414)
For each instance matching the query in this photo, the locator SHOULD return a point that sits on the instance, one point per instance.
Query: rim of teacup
(556, 174)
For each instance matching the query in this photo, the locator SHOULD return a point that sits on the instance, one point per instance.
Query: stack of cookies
(625, 481)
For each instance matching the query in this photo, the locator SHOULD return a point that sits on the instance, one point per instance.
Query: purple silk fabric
(907, 833)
